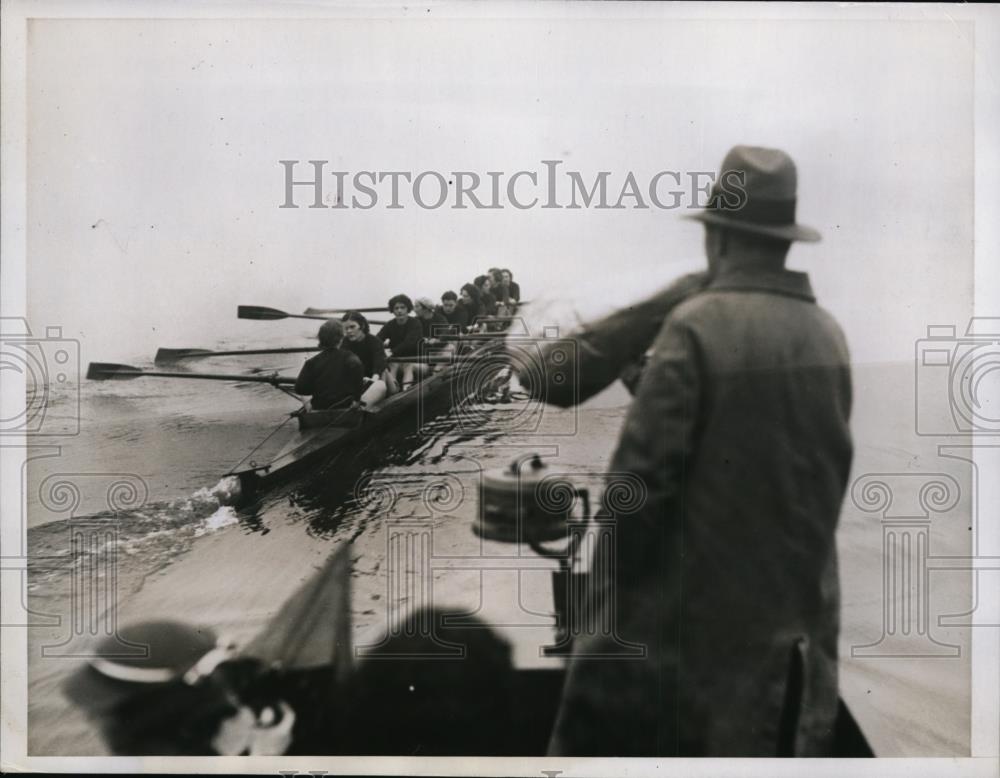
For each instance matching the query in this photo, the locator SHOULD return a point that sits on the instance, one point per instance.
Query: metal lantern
(525, 503)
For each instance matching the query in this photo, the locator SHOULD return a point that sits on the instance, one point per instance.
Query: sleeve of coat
(606, 346)
(658, 436)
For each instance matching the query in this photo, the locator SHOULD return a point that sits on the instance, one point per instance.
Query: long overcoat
(725, 575)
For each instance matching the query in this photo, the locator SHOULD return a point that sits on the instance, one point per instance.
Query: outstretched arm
(603, 349)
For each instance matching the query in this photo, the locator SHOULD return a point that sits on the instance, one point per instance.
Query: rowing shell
(324, 433)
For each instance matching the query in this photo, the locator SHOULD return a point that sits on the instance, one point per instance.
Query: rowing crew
(352, 366)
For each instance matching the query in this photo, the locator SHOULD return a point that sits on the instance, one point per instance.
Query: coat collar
(785, 282)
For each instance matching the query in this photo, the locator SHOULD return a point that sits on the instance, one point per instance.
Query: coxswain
(366, 347)
(402, 336)
(334, 377)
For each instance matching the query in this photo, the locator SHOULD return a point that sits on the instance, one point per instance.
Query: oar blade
(109, 371)
(167, 356)
(259, 313)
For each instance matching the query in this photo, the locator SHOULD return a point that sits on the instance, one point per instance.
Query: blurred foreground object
(159, 688)
(167, 688)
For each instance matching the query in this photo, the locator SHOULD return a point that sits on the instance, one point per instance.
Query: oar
(260, 313)
(441, 359)
(108, 371)
(166, 356)
(374, 309)
(473, 336)
(316, 311)
(427, 359)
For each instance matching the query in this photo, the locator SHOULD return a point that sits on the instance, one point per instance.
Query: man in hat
(335, 376)
(167, 696)
(726, 572)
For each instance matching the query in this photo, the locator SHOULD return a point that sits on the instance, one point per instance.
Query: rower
(513, 288)
(402, 337)
(486, 298)
(366, 347)
(471, 302)
(434, 325)
(456, 315)
(334, 377)
(432, 322)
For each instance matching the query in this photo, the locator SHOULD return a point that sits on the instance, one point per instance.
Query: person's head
(423, 307)
(400, 306)
(427, 700)
(470, 295)
(331, 334)
(496, 275)
(448, 301)
(750, 216)
(164, 697)
(506, 276)
(355, 326)
(484, 283)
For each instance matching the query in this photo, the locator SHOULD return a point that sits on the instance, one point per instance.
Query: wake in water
(226, 492)
(127, 544)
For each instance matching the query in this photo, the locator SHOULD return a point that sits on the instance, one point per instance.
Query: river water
(135, 485)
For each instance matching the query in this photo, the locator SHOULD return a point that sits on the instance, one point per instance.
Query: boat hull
(314, 443)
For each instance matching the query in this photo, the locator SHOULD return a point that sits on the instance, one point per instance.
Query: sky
(154, 181)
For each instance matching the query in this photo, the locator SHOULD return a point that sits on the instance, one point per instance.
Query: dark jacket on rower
(503, 294)
(370, 351)
(404, 339)
(488, 302)
(720, 609)
(333, 378)
(458, 319)
(434, 326)
(472, 311)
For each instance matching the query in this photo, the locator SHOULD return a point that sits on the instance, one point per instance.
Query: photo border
(985, 719)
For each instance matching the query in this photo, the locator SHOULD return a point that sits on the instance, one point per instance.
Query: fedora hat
(755, 193)
(162, 653)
